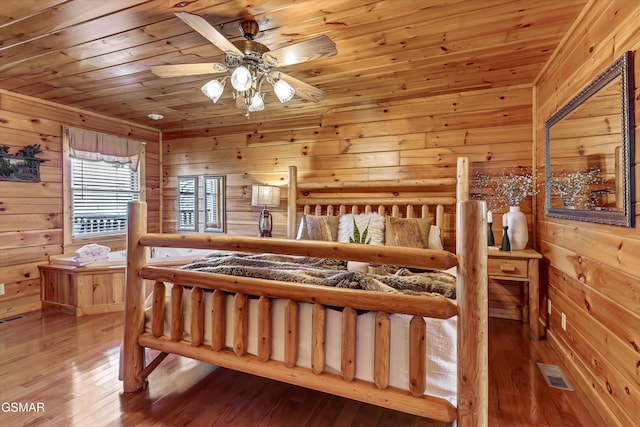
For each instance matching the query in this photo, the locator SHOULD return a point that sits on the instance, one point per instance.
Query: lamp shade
(265, 195)
(283, 90)
(213, 90)
(257, 103)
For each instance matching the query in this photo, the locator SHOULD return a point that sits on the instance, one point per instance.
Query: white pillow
(374, 220)
(435, 242)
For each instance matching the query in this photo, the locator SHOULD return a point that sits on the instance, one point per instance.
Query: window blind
(100, 192)
(187, 202)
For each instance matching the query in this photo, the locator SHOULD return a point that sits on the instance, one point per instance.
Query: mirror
(589, 150)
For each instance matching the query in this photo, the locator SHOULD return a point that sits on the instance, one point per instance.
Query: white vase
(518, 232)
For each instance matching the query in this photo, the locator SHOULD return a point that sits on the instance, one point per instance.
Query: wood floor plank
(71, 364)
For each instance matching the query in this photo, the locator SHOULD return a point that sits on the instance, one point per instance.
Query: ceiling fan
(252, 64)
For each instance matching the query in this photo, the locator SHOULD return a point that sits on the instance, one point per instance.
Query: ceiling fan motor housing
(252, 54)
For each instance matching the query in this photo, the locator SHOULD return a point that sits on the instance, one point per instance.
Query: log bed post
(472, 295)
(132, 353)
(292, 194)
(462, 187)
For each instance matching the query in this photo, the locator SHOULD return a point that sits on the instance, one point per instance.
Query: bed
(371, 346)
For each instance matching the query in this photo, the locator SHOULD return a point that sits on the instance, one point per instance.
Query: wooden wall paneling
(622, 322)
(17, 239)
(20, 296)
(611, 363)
(356, 143)
(610, 282)
(441, 105)
(39, 254)
(593, 272)
(32, 221)
(480, 136)
(57, 114)
(501, 153)
(587, 241)
(597, 396)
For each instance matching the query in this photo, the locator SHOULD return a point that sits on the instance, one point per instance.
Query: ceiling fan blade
(203, 27)
(180, 70)
(308, 50)
(304, 90)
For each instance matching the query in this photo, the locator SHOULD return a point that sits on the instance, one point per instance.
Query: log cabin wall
(31, 218)
(593, 270)
(416, 139)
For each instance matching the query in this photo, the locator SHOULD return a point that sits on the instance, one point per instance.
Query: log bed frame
(471, 309)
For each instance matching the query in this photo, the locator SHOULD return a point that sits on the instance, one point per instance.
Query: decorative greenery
(507, 190)
(29, 151)
(360, 238)
(573, 187)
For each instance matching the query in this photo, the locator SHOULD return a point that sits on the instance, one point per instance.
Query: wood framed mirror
(589, 145)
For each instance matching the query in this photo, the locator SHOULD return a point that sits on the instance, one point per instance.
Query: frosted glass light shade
(257, 103)
(283, 90)
(265, 195)
(213, 90)
(241, 79)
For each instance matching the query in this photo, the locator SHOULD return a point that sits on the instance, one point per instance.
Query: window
(214, 203)
(100, 192)
(102, 174)
(187, 202)
(200, 203)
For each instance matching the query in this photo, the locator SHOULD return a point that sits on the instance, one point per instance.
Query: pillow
(375, 222)
(313, 227)
(435, 241)
(408, 232)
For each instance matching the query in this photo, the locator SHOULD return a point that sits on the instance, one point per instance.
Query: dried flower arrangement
(574, 187)
(507, 189)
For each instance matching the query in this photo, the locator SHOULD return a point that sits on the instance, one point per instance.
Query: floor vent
(10, 319)
(554, 377)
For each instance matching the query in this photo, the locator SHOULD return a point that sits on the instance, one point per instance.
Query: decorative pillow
(408, 232)
(375, 222)
(313, 227)
(435, 241)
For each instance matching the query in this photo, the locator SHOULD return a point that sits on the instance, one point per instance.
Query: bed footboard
(207, 292)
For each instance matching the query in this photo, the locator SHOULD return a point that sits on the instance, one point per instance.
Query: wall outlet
(549, 306)
(1, 289)
(563, 321)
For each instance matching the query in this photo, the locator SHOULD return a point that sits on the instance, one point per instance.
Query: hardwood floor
(69, 366)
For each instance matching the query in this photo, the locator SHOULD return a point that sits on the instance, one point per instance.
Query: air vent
(10, 319)
(554, 377)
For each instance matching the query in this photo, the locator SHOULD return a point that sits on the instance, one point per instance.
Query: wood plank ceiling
(95, 55)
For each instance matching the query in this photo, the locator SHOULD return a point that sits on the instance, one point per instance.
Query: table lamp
(265, 196)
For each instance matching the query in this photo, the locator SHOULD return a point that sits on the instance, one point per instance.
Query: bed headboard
(409, 199)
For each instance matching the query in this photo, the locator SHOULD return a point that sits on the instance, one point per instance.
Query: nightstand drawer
(507, 267)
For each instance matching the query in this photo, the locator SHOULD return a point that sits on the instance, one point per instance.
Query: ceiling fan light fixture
(213, 89)
(248, 64)
(284, 91)
(241, 79)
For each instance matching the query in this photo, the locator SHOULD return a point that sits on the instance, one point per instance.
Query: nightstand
(514, 287)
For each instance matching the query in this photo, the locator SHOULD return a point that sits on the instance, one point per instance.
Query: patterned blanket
(327, 272)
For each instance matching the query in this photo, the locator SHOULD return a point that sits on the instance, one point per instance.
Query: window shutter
(187, 202)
